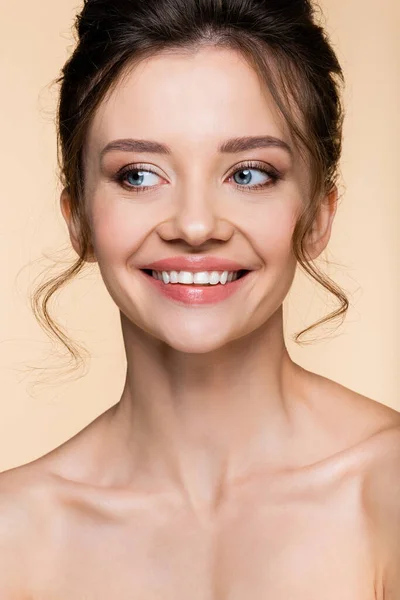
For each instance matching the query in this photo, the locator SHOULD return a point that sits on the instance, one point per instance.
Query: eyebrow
(232, 145)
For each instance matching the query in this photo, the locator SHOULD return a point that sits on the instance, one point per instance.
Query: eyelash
(273, 174)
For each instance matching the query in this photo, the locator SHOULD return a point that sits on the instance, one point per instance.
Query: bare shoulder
(369, 448)
(22, 511)
(382, 505)
(372, 433)
(354, 420)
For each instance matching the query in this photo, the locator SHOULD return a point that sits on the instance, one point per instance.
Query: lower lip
(197, 294)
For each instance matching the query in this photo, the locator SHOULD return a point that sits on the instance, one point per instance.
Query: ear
(320, 233)
(65, 204)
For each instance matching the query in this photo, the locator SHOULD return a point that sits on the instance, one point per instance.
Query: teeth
(184, 277)
(224, 277)
(202, 278)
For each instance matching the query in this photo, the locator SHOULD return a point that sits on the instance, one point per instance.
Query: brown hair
(281, 39)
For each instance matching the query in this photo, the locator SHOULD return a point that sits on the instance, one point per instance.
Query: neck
(198, 422)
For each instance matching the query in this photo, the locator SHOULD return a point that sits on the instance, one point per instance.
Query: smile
(197, 288)
(198, 277)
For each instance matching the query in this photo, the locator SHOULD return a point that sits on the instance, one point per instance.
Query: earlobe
(65, 204)
(320, 233)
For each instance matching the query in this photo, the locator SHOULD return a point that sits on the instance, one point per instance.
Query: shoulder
(369, 450)
(22, 509)
(382, 505)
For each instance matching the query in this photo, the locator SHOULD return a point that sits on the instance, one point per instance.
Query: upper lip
(195, 263)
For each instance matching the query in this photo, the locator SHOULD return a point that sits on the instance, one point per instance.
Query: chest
(278, 548)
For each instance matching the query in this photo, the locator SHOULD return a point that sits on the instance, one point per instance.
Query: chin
(196, 340)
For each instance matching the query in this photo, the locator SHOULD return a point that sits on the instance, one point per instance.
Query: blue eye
(132, 178)
(135, 177)
(246, 177)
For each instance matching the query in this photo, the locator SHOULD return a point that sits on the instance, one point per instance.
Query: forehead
(187, 99)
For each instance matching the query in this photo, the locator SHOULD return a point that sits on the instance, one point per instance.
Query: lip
(195, 295)
(194, 264)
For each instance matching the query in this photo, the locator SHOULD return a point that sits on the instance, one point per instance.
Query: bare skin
(225, 471)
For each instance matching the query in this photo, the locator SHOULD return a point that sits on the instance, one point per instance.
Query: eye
(269, 176)
(133, 178)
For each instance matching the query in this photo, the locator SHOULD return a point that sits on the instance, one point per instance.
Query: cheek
(118, 228)
(272, 234)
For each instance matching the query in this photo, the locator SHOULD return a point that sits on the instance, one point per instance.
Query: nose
(196, 219)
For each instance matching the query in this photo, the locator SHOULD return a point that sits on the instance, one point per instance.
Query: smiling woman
(199, 150)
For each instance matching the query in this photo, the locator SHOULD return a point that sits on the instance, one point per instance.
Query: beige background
(35, 39)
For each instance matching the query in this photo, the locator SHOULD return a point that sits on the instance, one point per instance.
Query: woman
(200, 143)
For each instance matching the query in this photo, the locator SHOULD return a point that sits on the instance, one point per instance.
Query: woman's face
(198, 200)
